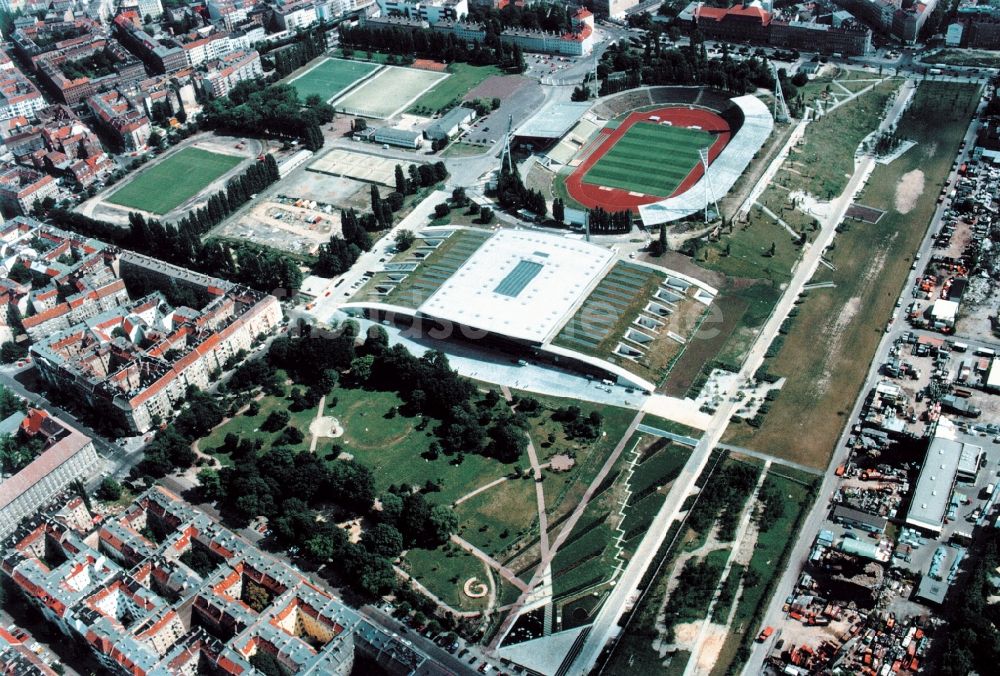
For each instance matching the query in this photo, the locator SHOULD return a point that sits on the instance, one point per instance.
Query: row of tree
(245, 263)
(429, 44)
(305, 47)
(338, 254)
(602, 221)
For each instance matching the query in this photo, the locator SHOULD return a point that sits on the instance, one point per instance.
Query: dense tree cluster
(254, 107)
(513, 194)
(656, 64)
(972, 641)
(429, 44)
(303, 48)
(576, 425)
(171, 447)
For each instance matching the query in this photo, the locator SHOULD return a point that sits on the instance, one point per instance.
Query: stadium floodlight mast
(506, 146)
(709, 194)
(780, 107)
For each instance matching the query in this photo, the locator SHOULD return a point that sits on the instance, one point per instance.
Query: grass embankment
(871, 263)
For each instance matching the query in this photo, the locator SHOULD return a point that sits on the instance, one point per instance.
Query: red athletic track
(616, 199)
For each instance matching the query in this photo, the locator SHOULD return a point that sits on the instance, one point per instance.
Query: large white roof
(521, 284)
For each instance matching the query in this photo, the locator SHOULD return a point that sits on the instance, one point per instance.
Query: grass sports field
(330, 77)
(173, 181)
(650, 158)
(388, 91)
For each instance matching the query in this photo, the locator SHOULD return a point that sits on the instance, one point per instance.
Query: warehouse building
(932, 494)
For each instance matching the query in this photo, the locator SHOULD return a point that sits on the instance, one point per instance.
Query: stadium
(539, 296)
(642, 149)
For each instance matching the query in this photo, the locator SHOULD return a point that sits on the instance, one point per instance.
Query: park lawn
(500, 516)
(444, 571)
(747, 246)
(871, 263)
(169, 183)
(248, 427)
(392, 446)
(768, 561)
(826, 157)
(449, 93)
(564, 490)
(650, 158)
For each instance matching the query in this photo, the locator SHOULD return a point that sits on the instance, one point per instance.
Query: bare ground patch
(909, 188)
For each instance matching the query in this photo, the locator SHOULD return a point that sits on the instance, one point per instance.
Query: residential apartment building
(850, 37)
(142, 610)
(295, 15)
(82, 273)
(230, 70)
(17, 656)
(134, 362)
(59, 144)
(755, 25)
(159, 57)
(18, 96)
(579, 42)
(67, 455)
(891, 17)
(432, 11)
(22, 187)
(121, 119)
(982, 32)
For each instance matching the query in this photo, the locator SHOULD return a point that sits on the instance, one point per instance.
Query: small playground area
(651, 155)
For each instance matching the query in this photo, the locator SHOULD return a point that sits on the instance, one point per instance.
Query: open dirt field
(360, 166)
(285, 226)
(911, 186)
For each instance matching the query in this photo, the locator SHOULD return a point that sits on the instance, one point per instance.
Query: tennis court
(389, 91)
(650, 158)
(330, 77)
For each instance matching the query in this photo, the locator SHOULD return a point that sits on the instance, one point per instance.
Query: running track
(615, 199)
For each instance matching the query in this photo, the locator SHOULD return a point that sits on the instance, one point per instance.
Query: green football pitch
(649, 158)
(330, 78)
(169, 183)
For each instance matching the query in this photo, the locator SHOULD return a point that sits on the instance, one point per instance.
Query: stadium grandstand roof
(520, 284)
(723, 173)
(553, 120)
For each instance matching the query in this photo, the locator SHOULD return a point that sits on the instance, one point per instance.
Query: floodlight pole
(586, 223)
(703, 155)
(510, 132)
(780, 107)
